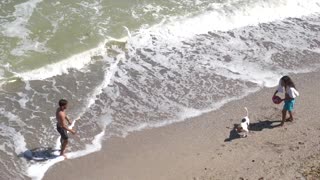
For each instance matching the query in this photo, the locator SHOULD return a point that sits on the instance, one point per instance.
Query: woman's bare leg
(291, 116)
(284, 113)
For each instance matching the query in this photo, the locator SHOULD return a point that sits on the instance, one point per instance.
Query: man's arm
(69, 121)
(62, 118)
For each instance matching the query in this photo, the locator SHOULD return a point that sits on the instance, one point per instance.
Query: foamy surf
(77, 61)
(227, 17)
(177, 29)
(36, 171)
(186, 113)
(22, 14)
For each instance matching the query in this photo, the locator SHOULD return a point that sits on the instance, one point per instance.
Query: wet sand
(206, 147)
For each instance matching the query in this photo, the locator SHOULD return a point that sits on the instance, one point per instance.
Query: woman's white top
(293, 93)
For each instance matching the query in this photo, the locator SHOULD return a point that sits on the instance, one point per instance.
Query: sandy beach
(155, 88)
(206, 147)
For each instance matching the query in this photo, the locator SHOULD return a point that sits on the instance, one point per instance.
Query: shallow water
(129, 65)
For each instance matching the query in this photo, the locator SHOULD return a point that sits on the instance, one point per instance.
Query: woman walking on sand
(286, 85)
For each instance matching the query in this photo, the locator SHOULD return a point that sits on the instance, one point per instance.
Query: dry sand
(196, 149)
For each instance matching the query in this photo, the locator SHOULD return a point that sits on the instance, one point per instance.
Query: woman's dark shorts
(63, 132)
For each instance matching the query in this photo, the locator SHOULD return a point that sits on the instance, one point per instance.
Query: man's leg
(63, 147)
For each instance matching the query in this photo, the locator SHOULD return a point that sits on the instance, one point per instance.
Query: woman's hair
(287, 81)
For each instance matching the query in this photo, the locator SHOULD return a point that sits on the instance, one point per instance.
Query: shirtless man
(62, 128)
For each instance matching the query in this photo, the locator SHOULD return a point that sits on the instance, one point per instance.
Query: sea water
(127, 65)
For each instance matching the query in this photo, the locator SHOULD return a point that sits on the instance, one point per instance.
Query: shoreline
(196, 149)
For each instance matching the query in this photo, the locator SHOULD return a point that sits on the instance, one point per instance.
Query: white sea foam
(218, 19)
(109, 74)
(22, 14)
(77, 61)
(224, 17)
(1, 73)
(12, 118)
(249, 72)
(36, 171)
(24, 99)
(187, 113)
(29, 45)
(96, 6)
(18, 141)
(4, 67)
(18, 29)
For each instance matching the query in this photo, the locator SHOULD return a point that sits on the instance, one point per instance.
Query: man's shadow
(40, 154)
(257, 126)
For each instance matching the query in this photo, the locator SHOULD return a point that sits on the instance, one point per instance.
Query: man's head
(63, 104)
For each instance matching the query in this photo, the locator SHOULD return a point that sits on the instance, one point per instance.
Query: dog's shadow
(233, 134)
(257, 126)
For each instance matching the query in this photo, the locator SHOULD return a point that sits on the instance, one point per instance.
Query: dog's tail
(247, 111)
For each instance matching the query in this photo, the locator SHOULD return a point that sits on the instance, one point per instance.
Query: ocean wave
(186, 113)
(77, 61)
(227, 16)
(221, 17)
(22, 14)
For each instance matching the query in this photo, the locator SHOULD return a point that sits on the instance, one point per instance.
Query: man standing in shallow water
(62, 128)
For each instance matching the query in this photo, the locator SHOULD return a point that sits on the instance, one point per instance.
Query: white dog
(244, 125)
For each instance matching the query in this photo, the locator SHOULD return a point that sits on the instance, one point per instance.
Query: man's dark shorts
(63, 132)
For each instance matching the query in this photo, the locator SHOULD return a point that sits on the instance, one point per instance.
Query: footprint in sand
(275, 147)
(294, 148)
(300, 143)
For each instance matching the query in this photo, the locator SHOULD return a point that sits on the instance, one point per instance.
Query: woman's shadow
(257, 126)
(40, 154)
